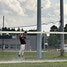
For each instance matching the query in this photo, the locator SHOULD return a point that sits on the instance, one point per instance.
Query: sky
(24, 13)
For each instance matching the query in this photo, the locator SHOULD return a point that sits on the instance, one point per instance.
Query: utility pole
(39, 41)
(3, 21)
(61, 28)
(3, 35)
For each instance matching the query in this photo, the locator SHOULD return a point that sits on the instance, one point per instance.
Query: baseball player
(22, 38)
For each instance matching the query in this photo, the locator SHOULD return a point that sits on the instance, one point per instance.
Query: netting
(19, 15)
(51, 45)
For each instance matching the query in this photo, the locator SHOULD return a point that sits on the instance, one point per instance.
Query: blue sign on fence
(5, 37)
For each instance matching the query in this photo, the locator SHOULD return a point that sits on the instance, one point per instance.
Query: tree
(32, 30)
(8, 29)
(13, 29)
(65, 28)
(4, 29)
(22, 29)
(18, 29)
(65, 36)
(53, 41)
(53, 28)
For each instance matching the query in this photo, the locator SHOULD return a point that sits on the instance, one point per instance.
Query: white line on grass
(31, 61)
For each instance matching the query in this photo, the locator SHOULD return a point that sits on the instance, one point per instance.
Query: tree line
(10, 29)
(54, 39)
(13, 29)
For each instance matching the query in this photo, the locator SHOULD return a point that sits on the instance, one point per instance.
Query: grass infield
(46, 64)
(50, 55)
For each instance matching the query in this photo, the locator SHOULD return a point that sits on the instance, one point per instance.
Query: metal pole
(3, 35)
(39, 42)
(62, 27)
(3, 21)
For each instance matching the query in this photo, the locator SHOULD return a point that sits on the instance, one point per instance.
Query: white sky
(24, 13)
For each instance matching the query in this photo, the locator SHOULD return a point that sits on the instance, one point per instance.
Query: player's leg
(20, 51)
(23, 48)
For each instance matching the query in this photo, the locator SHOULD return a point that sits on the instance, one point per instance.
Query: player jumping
(22, 38)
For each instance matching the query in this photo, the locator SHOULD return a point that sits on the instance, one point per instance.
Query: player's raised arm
(25, 34)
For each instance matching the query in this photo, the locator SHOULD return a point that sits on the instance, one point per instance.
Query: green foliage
(4, 29)
(53, 28)
(12, 29)
(18, 29)
(65, 30)
(53, 41)
(32, 30)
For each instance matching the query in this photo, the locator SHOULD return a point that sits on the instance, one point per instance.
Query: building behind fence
(13, 42)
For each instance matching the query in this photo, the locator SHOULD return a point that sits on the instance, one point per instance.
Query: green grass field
(47, 64)
(50, 55)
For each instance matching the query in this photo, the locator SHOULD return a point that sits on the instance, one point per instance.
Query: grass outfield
(51, 55)
(47, 64)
